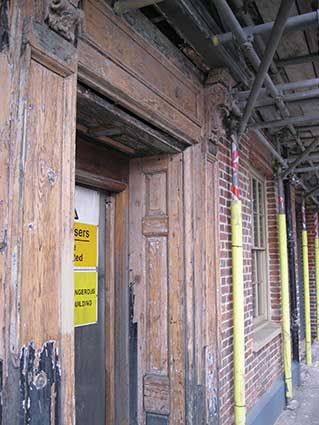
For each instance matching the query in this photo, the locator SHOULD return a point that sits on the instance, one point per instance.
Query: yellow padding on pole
(238, 313)
(317, 281)
(306, 295)
(285, 303)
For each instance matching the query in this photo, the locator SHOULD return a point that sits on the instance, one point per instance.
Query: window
(259, 253)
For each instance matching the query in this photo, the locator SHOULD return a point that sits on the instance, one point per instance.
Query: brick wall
(297, 270)
(264, 366)
(312, 271)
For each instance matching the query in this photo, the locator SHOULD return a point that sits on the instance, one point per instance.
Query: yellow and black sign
(85, 297)
(85, 245)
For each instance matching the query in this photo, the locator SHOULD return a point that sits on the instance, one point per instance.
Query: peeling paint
(3, 243)
(52, 176)
(4, 25)
(40, 378)
(212, 401)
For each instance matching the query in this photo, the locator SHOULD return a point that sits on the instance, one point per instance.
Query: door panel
(156, 268)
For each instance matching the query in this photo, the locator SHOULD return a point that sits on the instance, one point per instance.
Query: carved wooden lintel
(65, 18)
(219, 106)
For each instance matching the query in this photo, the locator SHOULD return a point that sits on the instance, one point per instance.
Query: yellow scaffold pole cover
(317, 268)
(317, 282)
(285, 303)
(238, 313)
(306, 285)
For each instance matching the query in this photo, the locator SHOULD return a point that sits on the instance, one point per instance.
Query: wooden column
(40, 93)
(201, 262)
(5, 81)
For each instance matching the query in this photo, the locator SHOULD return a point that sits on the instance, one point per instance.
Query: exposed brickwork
(312, 271)
(264, 366)
(273, 251)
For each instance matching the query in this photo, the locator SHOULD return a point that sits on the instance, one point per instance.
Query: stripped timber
(121, 360)
(110, 311)
(42, 149)
(157, 277)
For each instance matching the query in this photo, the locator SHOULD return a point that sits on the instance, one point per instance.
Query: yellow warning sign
(85, 245)
(85, 297)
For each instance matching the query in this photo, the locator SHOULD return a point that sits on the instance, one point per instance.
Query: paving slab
(304, 408)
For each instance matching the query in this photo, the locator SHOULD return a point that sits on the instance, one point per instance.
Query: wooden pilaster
(38, 89)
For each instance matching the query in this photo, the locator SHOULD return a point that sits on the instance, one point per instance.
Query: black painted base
(296, 380)
(269, 407)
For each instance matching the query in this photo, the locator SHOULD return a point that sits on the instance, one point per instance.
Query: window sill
(265, 333)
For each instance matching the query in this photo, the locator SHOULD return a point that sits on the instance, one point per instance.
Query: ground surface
(304, 408)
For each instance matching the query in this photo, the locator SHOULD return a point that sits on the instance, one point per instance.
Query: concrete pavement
(304, 408)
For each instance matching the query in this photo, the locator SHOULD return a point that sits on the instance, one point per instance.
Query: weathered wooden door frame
(116, 296)
(40, 181)
(117, 309)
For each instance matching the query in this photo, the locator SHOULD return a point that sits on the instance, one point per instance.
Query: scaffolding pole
(284, 278)
(295, 23)
(306, 283)
(317, 267)
(238, 291)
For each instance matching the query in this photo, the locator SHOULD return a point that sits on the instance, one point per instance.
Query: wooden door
(156, 276)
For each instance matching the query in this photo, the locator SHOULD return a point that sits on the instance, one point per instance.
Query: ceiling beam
(110, 132)
(195, 25)
(311, 33)
(123, 6)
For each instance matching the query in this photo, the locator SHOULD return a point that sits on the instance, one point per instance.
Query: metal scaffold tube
(294, 314)
(301, 158)
(261, 68)
(295, 23)
(316, 220)
(303, 84)
(304, 96)
(246, 45)
(285, 299)
(275, 91)
(238, 291)
(306, 283)
(310, 118)
(271, 48)
(268, 145)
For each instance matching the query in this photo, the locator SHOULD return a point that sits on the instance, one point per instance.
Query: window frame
(261, 319)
